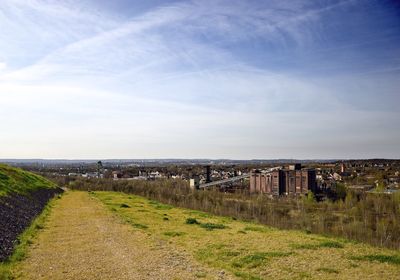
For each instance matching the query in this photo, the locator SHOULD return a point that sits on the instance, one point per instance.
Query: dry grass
(82, 240)
(252, 251)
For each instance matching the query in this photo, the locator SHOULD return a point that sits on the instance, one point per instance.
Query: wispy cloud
(227, 69)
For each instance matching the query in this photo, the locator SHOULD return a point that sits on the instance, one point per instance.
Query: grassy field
(19, 181)
(81, 239)
(253, 251)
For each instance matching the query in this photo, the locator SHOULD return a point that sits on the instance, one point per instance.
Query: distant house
(117, 175)
(90, 175)
(337, 176)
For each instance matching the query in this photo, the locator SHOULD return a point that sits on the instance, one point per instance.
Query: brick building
(292, 181)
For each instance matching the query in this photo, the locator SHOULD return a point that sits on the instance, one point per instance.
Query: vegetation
(391, 259)
(262, 252)
(24, 241)
(18, 181)
(372, 218)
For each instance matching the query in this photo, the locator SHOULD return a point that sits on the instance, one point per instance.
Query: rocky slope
(23, 196)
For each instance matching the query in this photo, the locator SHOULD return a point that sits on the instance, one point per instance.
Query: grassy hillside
(20, 181)
(253, 251)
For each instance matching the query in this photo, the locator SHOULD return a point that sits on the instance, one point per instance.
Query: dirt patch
(16, 214)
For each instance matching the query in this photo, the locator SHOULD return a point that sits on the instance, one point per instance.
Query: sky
(237, 79)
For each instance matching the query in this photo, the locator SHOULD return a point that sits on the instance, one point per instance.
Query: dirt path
(82, 240)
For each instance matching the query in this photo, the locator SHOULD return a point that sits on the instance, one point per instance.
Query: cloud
(81, 82)
(167, 32)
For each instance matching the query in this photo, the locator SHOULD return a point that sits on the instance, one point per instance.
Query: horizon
(200, 79)
(2, 160)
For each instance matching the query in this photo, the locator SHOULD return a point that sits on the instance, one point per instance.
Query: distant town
(324, 178)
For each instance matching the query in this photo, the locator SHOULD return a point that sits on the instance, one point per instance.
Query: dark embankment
(23, 196)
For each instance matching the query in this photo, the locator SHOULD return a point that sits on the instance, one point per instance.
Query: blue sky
(199, 79)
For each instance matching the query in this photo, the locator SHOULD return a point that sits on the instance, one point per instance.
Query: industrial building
(291, 181)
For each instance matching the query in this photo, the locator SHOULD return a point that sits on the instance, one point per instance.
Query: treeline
(370, 218)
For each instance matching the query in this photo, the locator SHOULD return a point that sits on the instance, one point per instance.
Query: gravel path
(83, 240)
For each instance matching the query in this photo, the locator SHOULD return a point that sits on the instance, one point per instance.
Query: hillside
(15, 180)
(124, 236)
(23, 195)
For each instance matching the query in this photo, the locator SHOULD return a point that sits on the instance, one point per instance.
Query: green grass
(133, 223)
(257, 259)
(324, 244)
(212, 226)
(26, 239)
(250, 251)
(15, 180)
(256, 228)
(207, 226)
(174, 233)
(160, 206)
(390, 259)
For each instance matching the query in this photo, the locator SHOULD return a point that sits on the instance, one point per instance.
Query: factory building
(291, 181)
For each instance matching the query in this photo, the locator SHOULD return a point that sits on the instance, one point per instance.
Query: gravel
(16, 214)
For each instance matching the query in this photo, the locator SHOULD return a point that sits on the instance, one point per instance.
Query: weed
(254, 228)
(231, 253)
(192, 221)
(211, 226)
(390, 259)
(39, 226)
(174, 233)
(134, 224)
(304, 275)
(325, 244)
(140, 226)
(330, 244)
(257, 259)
